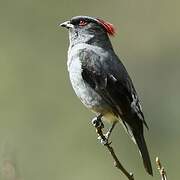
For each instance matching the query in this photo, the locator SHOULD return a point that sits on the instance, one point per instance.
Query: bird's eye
(82, 23)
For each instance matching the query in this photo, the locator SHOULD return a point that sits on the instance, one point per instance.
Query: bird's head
(88, 29)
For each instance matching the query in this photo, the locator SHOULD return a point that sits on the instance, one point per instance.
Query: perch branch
(117, 163)
(161, 169)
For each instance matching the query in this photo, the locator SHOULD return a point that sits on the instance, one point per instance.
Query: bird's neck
(99, 40)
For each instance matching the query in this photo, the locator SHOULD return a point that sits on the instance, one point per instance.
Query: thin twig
(161, 169)
(117, 163)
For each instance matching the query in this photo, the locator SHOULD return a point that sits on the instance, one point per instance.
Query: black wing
(109, 78)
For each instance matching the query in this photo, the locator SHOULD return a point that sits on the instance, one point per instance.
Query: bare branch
(117, 163)
(161, 169)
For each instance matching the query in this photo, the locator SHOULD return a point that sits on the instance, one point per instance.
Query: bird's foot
(97, 122)
(104, 140)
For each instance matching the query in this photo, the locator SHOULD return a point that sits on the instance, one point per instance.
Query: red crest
(108, 26)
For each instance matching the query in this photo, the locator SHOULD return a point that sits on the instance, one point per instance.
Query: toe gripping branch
(98, 124)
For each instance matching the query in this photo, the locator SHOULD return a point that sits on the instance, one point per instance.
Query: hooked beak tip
(61, 25)
(65, 24)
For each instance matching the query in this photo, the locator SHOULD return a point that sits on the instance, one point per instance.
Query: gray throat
(100, 40)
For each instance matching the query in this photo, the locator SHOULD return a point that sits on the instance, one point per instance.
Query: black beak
(66, 24)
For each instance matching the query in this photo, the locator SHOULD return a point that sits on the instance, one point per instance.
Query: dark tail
(144, 152)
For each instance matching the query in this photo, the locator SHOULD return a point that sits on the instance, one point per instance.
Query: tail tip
(149, 170)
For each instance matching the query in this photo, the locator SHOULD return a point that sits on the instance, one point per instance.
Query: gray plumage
(101, 81)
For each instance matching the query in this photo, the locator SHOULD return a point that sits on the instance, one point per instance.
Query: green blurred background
(45, 132)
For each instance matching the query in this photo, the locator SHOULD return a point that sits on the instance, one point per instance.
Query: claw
(105, 135)
(104, 141)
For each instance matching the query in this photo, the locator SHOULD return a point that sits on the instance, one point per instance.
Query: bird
(101, 81)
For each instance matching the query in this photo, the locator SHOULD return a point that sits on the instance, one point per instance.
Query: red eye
(82, 23)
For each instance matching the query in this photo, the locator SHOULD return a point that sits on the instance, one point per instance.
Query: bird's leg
(107, 135)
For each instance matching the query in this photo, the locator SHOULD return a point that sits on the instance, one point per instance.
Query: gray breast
(86, 94)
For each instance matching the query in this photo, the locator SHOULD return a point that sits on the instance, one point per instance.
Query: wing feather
(109, 78)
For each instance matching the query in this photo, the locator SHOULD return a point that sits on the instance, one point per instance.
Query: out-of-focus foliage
(45, 132)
